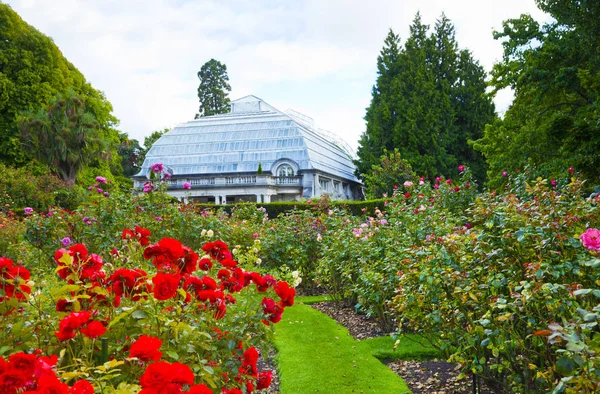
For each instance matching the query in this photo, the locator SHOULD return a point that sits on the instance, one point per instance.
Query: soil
(268, 364)
(422, 377)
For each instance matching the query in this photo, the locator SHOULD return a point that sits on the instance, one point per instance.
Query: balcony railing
(242, 180)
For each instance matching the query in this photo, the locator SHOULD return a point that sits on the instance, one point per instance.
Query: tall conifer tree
(436, 94)
(381, 114)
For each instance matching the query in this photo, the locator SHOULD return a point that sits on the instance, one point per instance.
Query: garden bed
(422, 376)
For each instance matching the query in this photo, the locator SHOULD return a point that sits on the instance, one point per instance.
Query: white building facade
(254, 153)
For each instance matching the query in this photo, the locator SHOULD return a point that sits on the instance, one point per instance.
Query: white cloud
(316, 56)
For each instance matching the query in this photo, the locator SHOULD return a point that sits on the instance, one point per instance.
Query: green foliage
(293, 241)
(213, 89)
(554, 69)
(130, 152)
(32, 73)
(21, 187)
(429, 100)
(64, 136)
(259, 171)
(493, 293)
(390, 172)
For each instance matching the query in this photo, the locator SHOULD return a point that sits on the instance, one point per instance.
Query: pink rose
(591, 239)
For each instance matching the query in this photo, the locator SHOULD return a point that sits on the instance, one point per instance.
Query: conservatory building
(254, 153)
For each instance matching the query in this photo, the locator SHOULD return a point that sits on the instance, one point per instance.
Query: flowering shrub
(169, 320)
(512, 296)
(362, 260)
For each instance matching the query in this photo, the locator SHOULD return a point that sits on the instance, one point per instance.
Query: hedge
(274, 209)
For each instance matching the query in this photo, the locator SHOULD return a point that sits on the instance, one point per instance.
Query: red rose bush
(156, 318)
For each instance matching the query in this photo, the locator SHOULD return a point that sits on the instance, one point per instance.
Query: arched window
(285, 170)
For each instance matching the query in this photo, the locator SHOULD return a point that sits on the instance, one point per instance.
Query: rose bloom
(591, 239)
(28, 210)
(94, 329)
(101, 179)
(146, 348)
(408, 184)
(187, 185)
(157, 167)
(165, 286)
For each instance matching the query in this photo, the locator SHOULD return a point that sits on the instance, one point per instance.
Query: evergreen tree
(213, 89)
(416, 132)
(381, 114)
(438, 101)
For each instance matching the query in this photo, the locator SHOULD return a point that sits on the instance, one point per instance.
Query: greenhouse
(254, 153)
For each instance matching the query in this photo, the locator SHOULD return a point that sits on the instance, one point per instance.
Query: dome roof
(253, 132)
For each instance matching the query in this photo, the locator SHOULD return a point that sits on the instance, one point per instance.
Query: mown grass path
(316, 355)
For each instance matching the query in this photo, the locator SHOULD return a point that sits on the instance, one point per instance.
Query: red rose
(11, 380)
(182, 374)
(190, 261)
(22, 362)
(200, 389)
(286, 293)
(5, 263)
(146, 348)
(205, 264)
(168, 248)
(232, 391)
(165, 286)
(68, 326)
(157, 376)
(82, 387)
(218, 250)
(51, 385)
(264, 380)
(94, 329)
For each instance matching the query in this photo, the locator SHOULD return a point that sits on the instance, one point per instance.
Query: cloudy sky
(317, 57)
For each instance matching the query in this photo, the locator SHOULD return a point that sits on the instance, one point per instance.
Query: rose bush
(512, 296)
(152, 317)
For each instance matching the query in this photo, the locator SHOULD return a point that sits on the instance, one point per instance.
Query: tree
(391, 171)
(381, 114)
(429, 101)
(129, 151)
(213, 89)
(554, 69)
(148, 142)
(64, 136)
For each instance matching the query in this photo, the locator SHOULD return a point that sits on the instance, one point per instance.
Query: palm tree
(64, 136)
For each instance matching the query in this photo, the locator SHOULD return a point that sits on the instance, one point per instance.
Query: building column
(267, 198)
(224, 199)
(258, 199)
(315, 185)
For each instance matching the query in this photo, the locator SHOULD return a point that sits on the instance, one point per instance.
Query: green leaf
(565, 366)
(139, 314)
(173, 355)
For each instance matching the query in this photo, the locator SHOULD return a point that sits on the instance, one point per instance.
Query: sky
(317, 57)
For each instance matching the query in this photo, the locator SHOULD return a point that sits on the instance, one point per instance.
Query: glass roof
(254, 132)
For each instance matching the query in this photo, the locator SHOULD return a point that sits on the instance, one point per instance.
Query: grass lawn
(316, 355)
(410, 347)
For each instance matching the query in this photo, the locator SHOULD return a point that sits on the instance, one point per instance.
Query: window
(324, 184)
(285, 170)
